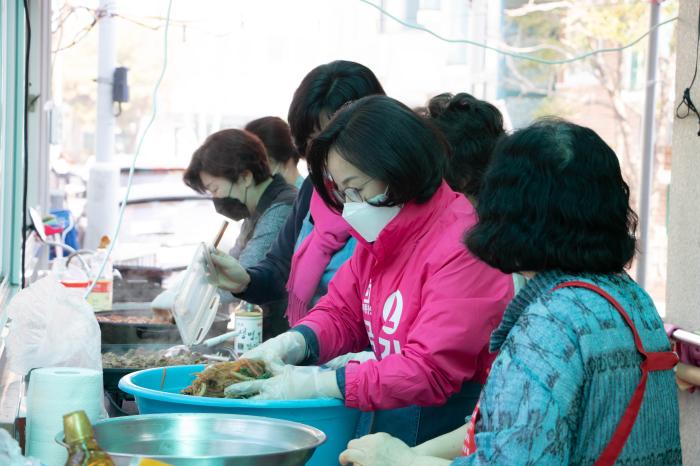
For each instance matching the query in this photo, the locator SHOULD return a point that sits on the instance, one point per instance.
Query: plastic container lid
(197, 301)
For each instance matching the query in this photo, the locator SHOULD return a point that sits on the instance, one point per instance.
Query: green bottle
(83, 449)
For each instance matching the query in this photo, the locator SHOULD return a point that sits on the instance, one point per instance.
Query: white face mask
(369, 220)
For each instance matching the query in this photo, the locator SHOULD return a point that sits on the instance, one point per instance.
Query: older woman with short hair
(584, 370)
(231, 165)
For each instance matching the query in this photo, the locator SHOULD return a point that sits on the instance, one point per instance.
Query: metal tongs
(205, 346)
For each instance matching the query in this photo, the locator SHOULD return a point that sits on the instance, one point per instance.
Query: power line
(519, 56)
(97, 16)
(500, 50)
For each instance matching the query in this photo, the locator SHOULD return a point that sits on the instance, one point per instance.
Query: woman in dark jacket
(231, 165)
(315, 241)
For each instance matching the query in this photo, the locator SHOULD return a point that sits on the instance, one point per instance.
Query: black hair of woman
(554, 198)
(322, 92)
(276, 137)
(472, 127)
(387, 141)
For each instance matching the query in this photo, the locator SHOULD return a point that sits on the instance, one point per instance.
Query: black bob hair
(387, 141)
(323, 91)
(472, 127)
(276, 137)
(554, 198)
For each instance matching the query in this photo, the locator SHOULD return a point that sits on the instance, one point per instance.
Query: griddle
(124, 333)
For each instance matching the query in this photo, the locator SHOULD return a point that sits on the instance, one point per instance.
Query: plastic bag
(10, 454)
(52, 326)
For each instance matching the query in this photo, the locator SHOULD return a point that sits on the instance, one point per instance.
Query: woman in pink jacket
(411, 290)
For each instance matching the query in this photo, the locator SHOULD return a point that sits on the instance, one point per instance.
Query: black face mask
(231, 208)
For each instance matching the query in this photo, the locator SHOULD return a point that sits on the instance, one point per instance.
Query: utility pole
(648, 145)
(103, 181)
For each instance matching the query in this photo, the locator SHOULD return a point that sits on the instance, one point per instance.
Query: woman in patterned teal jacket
(554, 205)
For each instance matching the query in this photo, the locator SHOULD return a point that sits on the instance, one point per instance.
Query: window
(11, 145)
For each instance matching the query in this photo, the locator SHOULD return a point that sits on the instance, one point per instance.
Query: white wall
(683, 286)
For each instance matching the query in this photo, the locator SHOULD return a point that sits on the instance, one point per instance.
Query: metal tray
(207, 440)
(125, 333)
(112, 375)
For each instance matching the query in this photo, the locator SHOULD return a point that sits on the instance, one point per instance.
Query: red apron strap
(654, 361)
(469, 446)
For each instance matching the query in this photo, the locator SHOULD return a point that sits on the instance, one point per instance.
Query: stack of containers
(53, 392)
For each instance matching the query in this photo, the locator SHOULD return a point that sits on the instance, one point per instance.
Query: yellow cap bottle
(83, 449)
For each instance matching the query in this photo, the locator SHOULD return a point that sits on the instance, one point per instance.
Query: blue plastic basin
(331, 416)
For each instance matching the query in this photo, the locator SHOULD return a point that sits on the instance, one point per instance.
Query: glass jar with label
(248, 323)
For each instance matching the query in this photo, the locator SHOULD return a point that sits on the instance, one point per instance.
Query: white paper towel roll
(53, 392)
(63, 382)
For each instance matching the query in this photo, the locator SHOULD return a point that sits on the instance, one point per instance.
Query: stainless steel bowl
(207, 440)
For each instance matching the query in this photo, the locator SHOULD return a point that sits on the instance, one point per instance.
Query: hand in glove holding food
(212, 381)
(286, 348)
(267, 372)
(289, 383)
(254, 379)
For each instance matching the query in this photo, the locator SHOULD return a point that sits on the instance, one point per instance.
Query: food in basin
(212, 381)
(159, 390)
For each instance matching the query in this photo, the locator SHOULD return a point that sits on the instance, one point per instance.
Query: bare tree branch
(533, 7)
(535, 48)
(524, 83)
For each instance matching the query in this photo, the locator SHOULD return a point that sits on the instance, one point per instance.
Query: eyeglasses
(347, 194)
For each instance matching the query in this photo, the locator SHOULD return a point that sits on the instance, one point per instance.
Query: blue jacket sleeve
(530, 399)
(522, 424)
(268, 278)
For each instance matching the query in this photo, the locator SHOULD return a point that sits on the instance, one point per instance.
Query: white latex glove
(231, 275)
(286, 348)
(343, 360)
(378, 450)
(166, 299)
(290, 383)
